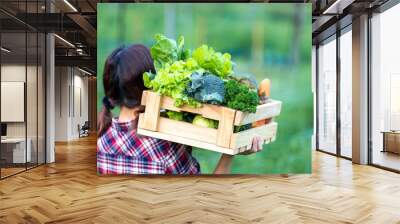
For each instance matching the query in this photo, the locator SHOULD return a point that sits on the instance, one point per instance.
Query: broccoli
(241, 128)
(206, 88)
(239, 97)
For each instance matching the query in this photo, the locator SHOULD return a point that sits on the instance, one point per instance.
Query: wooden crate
(222, 139)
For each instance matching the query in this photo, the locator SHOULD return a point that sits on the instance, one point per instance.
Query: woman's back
(120, 150)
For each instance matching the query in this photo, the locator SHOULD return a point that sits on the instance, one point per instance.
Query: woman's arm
(225, 162)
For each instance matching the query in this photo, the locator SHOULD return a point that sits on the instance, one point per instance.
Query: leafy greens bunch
(215, 62)
(201, 76)
(172, 79)
(167, 50)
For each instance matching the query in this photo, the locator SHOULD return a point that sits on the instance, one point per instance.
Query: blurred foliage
(266, 40)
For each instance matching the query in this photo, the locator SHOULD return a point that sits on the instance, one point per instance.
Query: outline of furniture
(391, 141)
(18, 151)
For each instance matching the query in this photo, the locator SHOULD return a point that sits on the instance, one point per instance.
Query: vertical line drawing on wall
(26, 87)
(60, 86)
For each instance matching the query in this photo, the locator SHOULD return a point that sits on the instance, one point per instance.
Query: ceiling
(16, 42)
(332, 15)
(75, 23)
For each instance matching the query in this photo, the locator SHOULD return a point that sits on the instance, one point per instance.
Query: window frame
(334, 37)
(381, 9)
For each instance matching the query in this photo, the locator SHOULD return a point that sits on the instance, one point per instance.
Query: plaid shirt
(121, 151)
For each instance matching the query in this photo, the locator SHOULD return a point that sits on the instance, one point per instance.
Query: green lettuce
(178, 116)
(205, 122)
(215, 62)
(167, 50)
(171, 80)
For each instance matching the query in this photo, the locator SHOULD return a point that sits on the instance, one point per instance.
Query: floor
(387, 159)
(69, 191)
(10, 171)
(13, 170)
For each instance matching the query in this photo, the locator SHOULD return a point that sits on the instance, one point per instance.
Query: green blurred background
(266, 40)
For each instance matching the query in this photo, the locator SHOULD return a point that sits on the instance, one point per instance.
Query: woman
(120, 150)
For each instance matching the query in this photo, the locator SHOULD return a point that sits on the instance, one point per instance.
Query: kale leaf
(206, 88)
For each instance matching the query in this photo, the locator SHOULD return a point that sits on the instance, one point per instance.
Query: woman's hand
(225, 162)
(256, 146)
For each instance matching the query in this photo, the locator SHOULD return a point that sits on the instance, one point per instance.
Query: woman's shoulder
(161, 145)
(133, 144)
(105, 141)
(153, 143)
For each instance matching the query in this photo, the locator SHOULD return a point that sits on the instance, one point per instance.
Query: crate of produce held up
(222, 139)
(196, 98)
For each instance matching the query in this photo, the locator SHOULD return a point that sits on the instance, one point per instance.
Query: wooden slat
(207, 110)
(187, 141)
(225, 127)
(152, 111)
(268, 110)
(187, 130)
(244, 138)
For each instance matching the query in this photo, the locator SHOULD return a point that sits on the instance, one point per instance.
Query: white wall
(80, 94)
(71, 93)
(61, 103)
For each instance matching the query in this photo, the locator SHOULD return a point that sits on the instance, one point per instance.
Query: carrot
(264, 91)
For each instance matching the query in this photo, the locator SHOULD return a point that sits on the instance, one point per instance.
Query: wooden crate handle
(225, 127)
(152, 111)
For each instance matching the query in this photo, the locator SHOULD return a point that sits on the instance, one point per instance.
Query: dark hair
(123, 80)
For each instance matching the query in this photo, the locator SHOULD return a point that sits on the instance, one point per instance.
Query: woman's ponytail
(123, 80)
(110, 84)
(105, 116)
